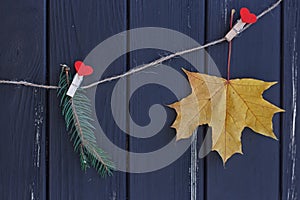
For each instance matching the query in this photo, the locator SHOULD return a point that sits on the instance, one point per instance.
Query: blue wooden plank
(290, 140)
(184, 178)
(22, 116)
(256, 53)
(76, 27)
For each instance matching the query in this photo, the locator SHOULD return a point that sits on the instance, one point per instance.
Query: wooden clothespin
(82, 70)
(246, 18)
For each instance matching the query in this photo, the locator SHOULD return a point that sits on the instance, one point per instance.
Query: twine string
(29, 84)
(146, 66)
(153, 63)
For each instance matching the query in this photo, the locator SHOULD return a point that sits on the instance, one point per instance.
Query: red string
(229, 47)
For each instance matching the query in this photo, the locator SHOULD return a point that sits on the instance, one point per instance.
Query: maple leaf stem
(230, 46)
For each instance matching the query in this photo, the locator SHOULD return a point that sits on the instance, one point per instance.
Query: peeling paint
(189, 16)
(189, 21)
(114, 195)
(225, 12)
(38, 123)
(292, 193)
(193, 169)
(32, 192)
(32, 195)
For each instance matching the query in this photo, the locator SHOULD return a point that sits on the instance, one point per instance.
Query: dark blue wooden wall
(36, 158)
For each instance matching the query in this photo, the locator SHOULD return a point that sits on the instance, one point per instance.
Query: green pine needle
(77, 112)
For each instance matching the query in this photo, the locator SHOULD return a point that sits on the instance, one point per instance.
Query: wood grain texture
(36, 156)
(184, 178)
(22, 116)
(75, 28)
(256, 53)
(290, 91)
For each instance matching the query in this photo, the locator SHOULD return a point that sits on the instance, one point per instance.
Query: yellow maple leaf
(226, 106)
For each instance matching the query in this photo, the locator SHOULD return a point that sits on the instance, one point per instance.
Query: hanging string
(146, 66)
(25, 83)
(230, 46)
(154, 63)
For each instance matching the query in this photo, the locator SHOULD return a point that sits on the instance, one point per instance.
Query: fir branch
(77, 112)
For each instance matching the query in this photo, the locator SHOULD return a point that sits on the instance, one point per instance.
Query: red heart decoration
(247, 17)
(82, 69)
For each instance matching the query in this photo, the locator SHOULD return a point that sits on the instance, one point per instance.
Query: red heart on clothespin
(82, 69)
(247, 17)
